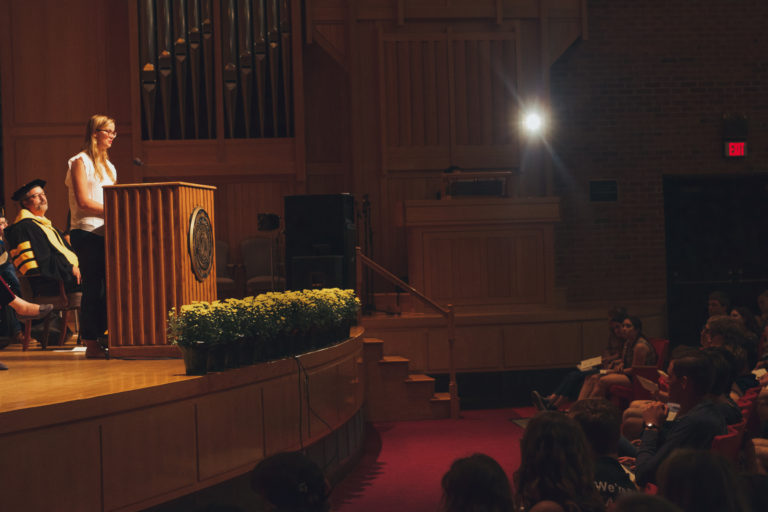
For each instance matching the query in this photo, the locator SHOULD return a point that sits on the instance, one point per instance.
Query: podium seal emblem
(200, 243)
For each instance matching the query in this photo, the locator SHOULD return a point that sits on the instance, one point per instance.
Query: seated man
(601, 422)
(696, 424)
(36, 247)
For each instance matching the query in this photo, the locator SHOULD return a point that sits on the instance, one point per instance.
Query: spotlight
(533, 122)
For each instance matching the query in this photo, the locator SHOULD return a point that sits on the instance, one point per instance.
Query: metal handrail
(446, 312)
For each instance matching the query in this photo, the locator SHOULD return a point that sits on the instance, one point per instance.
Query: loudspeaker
(320, 240)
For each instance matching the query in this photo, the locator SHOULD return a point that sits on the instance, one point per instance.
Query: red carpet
(403, 462)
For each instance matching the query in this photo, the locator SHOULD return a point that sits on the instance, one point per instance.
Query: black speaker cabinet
(320, 239)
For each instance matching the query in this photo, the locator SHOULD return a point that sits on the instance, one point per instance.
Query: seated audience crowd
(570, 456)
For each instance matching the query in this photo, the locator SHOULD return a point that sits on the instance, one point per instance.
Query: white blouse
(80, 219)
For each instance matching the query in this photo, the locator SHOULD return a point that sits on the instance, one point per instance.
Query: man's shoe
(45, 310)
(3, 367)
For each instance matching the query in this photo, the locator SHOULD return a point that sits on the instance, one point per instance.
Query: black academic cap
(19, 194)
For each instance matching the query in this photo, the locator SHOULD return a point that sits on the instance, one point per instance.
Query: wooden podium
(155, 260)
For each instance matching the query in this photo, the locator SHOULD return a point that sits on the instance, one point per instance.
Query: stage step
(395, 394)
(441, 405)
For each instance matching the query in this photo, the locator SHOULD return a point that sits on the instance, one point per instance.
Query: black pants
(9, 323)
(6, 295)
(90, 251)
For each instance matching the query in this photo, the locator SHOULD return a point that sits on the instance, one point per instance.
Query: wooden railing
(447, 312)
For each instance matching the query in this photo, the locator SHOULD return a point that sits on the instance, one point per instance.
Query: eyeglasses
(111, 133)
(33, 196)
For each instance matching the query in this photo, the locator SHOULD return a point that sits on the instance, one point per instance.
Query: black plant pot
(195, 359)
(217, 358)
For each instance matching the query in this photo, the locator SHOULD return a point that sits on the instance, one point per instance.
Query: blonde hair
(91, 147)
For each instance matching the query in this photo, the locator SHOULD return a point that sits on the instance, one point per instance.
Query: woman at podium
(87, 173)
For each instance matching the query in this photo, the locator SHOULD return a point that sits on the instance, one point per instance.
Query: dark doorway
(717, 239)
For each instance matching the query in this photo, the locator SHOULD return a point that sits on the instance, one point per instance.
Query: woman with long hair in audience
(637, 351)
(556, 472)
(476, 484)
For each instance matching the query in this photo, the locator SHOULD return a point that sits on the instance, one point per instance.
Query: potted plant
(188, 329)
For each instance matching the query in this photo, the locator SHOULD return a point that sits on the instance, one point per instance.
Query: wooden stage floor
(38, 378)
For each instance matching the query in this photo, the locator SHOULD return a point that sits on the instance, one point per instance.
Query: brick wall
(644, 97)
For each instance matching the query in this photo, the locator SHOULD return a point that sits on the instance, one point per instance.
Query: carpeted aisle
(403, 462)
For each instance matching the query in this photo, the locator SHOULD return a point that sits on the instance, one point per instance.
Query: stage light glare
(533, 122)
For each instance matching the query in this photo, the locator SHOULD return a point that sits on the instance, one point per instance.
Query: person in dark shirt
(9, 320)
(724, 364)
(696, 424)
(601, 422)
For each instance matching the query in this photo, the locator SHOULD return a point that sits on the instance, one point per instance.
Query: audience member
(476, 484)
(718, 303)
(13, 327)
(637, 351)
(696, 423)
(291, 482)
(723, 362)
(632, 418)
(556, 471)
(639, 502)
(700, 481)
(724, 331)
(759, 443)
(568, 389)
(601, 422)
(747, 319)
(762, 304)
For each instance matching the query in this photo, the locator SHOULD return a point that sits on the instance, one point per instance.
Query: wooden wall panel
(138, 466)
(437, 348)
(55, 75)
(283, 430)
(60, 57)
(448, 99)
(542, 345)
(460, 266)
(478, 347)
(323, 409)
(415, 101)
(401, 188)
(594, 337)
(484, 88)
(70, 476)
(230, 430)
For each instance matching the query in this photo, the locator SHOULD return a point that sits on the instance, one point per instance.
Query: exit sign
(735, 149)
